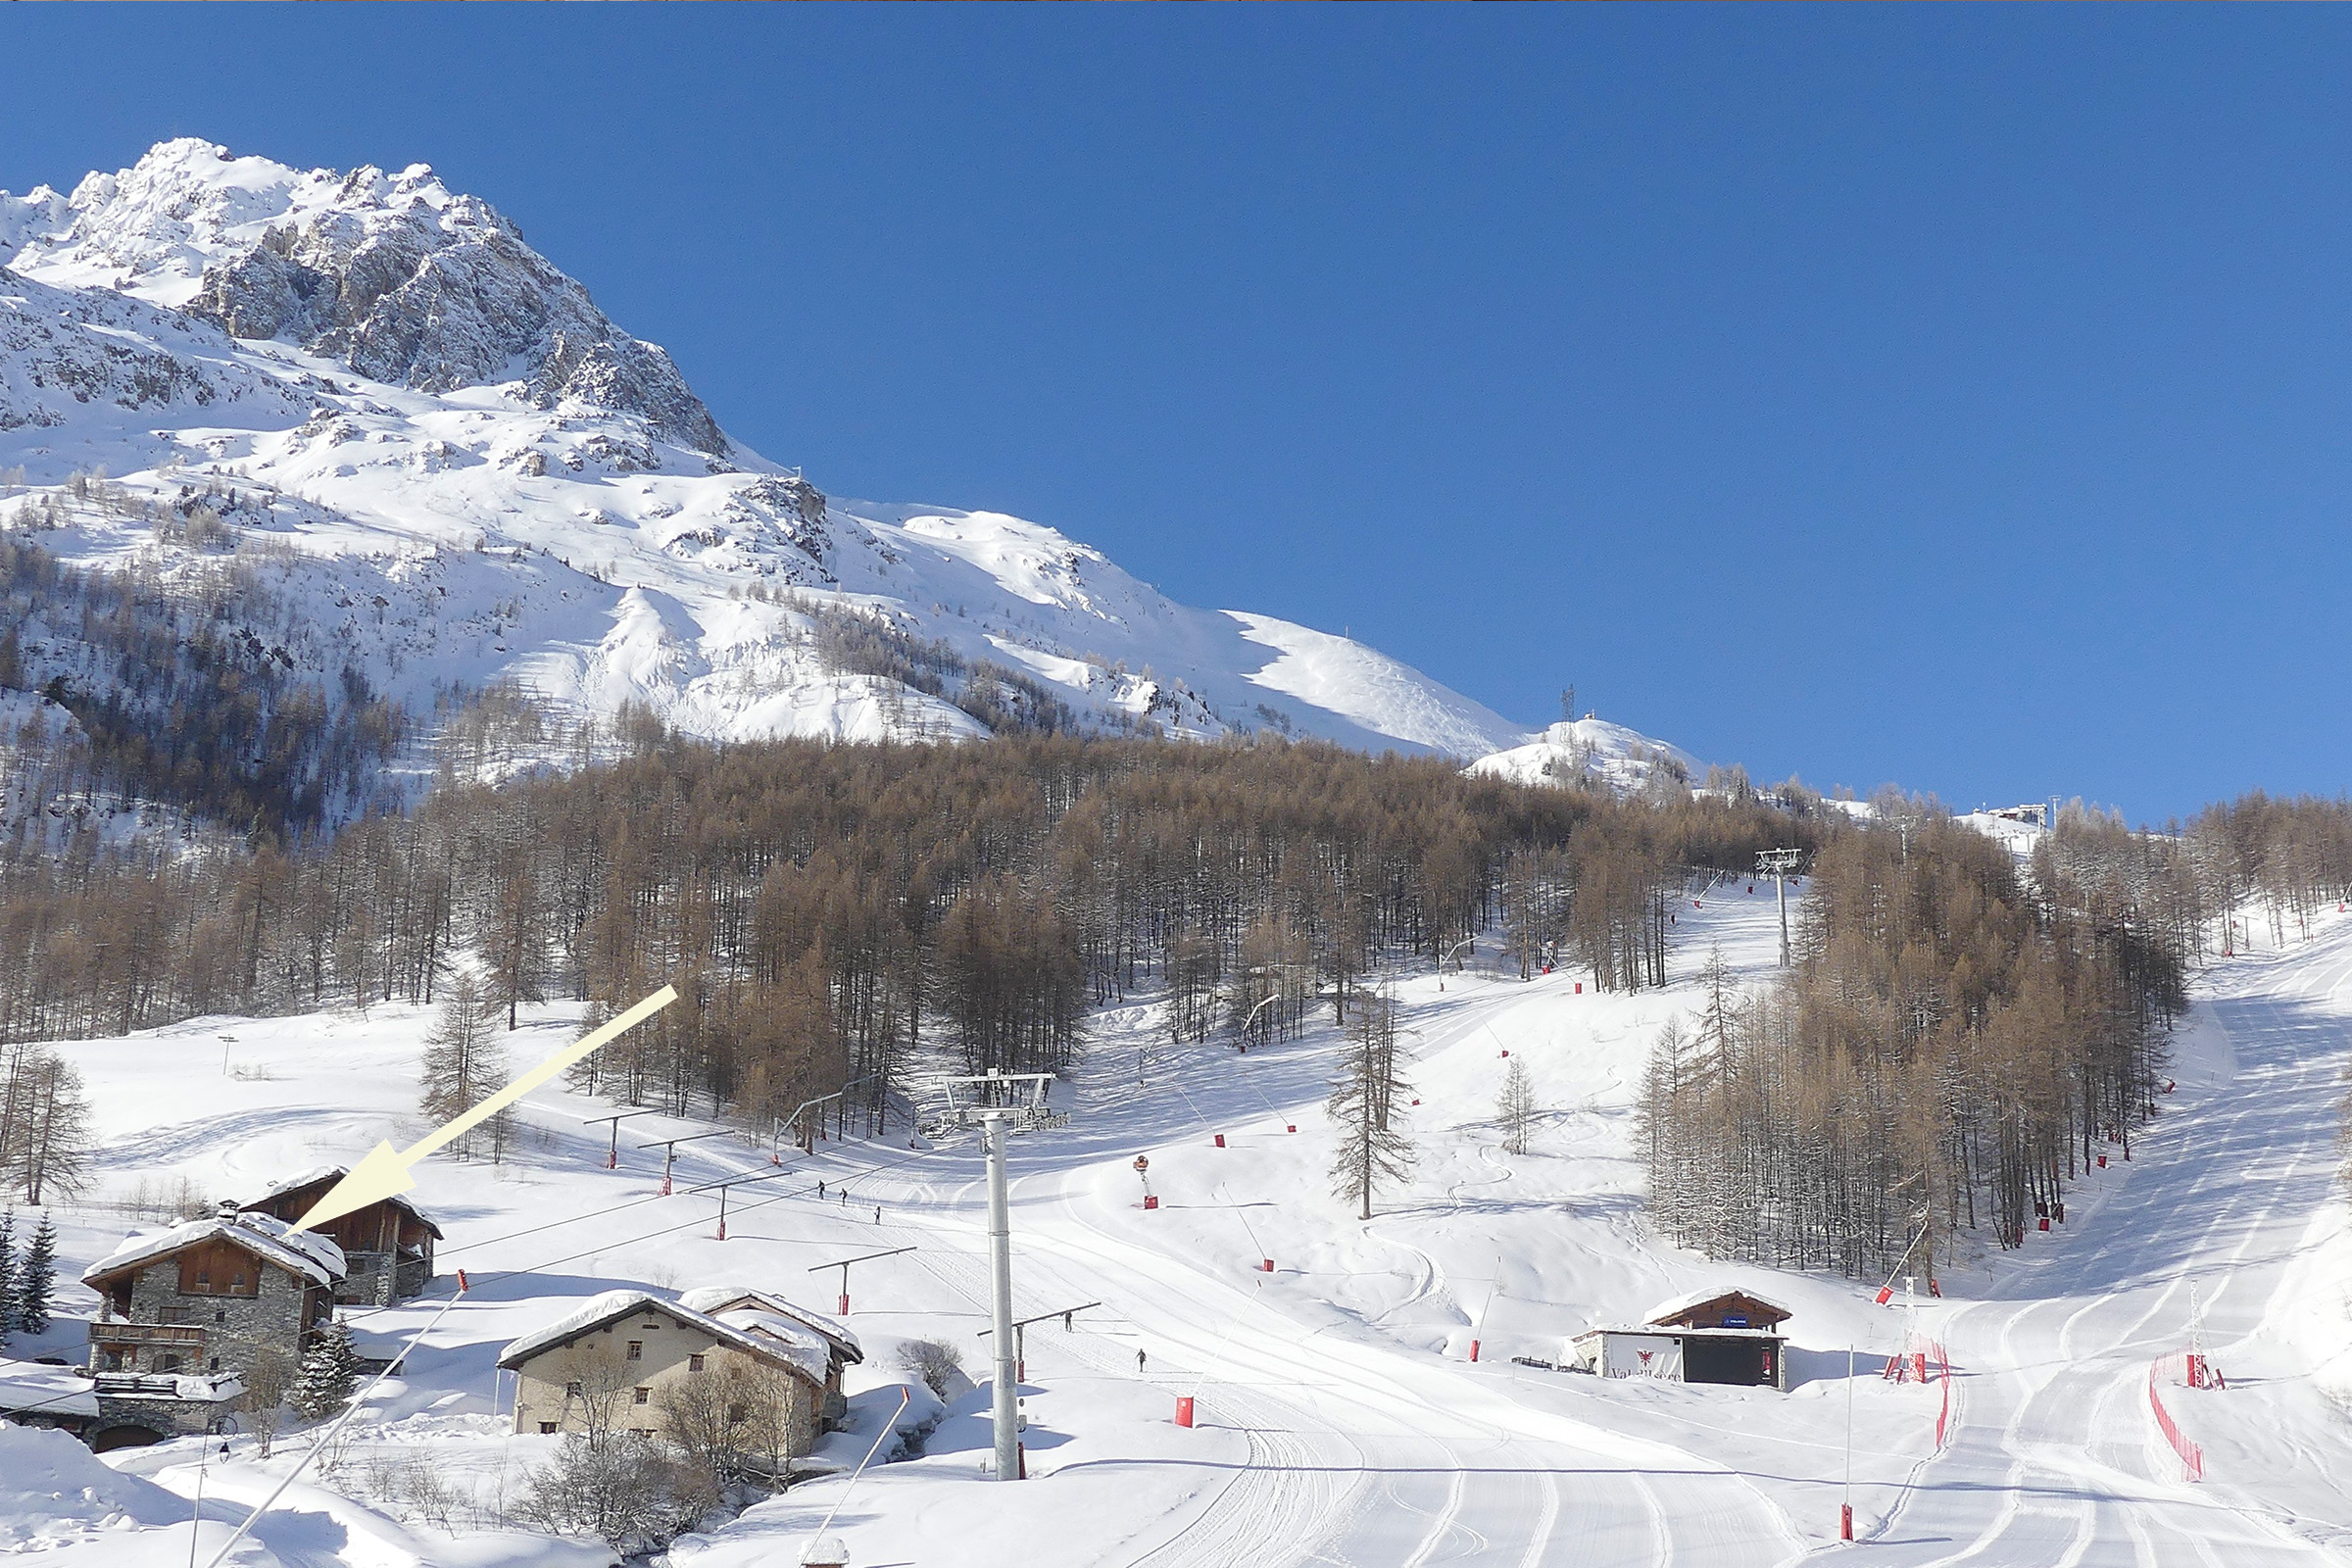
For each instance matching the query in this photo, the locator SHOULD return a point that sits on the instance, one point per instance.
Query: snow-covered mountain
(1589, 748)
(372, 393)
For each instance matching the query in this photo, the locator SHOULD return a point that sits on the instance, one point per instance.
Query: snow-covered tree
(36, 1277)
(330, 1372)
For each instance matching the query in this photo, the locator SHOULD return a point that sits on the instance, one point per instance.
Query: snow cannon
(1142, 1167)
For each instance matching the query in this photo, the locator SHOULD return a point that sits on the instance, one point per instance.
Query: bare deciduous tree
(462, 1067)
(1517, 1108)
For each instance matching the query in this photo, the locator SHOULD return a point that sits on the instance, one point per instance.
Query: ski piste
(1337, 1417)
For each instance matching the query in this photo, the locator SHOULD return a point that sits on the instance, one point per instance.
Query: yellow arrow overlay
(385, 1170)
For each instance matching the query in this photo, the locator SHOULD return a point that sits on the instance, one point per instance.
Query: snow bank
(55, 1492)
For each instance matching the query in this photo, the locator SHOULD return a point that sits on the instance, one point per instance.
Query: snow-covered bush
(934, 1364)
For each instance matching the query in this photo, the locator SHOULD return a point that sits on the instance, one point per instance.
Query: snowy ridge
(413, 424)
(1592, 750)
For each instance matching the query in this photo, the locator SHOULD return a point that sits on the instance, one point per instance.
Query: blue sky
(1956, 396)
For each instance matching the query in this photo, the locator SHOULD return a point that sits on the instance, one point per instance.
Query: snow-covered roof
(335, 1173)
(29, 1387)
(1675, 1306)
(723, 1299)
(613, 1305)
(306, 1253)
(790, 1338)
(200, 1388)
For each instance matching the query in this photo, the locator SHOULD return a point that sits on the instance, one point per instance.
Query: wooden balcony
(178, 1334)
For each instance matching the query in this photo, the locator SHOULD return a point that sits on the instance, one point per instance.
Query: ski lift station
(1713, 1337)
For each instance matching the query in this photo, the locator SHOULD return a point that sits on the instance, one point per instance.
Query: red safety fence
(1936, 1356)
(2192, 1457)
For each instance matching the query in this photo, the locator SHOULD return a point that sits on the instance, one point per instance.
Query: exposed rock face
(437, 300)
(394, 275)
(60, 348)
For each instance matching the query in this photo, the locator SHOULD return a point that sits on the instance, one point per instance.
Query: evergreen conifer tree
(36, 1277)
(329, 1373)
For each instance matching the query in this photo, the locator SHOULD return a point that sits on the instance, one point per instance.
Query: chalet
(387, 1246)
(1710, 1336)
(758, 1313)
(608, 1365)
(184, 1313)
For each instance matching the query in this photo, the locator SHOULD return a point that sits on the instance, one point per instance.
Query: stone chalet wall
(235, 1327)
(666, 1346)
(171, 1417)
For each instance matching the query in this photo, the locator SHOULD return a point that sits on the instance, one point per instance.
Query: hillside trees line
(1959, 1040)
(825, 912)
(185, 692)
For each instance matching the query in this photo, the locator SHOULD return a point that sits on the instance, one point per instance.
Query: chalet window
(571, 1390)
(694, 1363)
(219, 1314)
(171, 1365)
(546, 1429)
(641, 1432)
(216, 1367)
(735, 1412)
(109, 1362)
(640, 1396)
(636, 1351)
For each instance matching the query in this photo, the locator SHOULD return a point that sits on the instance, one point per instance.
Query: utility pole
(1778, 863)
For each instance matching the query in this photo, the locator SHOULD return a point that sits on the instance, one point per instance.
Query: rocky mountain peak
(394, 275)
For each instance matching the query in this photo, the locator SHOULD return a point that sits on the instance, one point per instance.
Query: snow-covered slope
(431, 439)
(1342, 1414)
(1588, 747)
